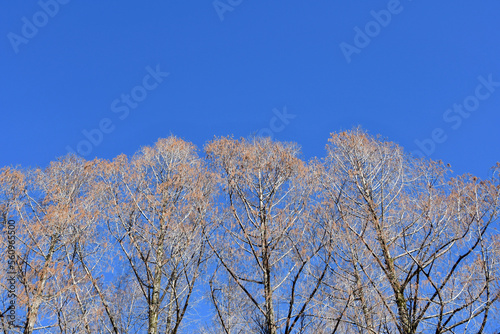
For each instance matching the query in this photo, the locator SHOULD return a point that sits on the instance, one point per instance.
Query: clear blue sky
(234, 65)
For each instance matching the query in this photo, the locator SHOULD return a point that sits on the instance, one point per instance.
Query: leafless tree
(12, 184)
(264, 240)
(155, 206)
(51, 213)
(367, 240)
(418, 255)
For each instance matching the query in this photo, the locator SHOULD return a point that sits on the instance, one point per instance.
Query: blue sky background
(228, 72)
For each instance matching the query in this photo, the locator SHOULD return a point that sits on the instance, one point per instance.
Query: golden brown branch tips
(366, 240)
(406, 235)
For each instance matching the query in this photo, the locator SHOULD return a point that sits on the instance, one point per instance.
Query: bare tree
(367, 240)
(90, 259)
(12, 183)
(51, 212)
(155, 206)
(418, 254)
(265, 241)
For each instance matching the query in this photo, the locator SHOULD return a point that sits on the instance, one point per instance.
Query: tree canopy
(248, 237)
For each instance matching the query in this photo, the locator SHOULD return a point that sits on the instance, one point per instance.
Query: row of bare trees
(252, 239)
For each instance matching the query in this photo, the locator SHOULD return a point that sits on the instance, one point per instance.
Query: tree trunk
(32, 315)
(154, 305)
